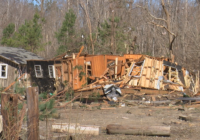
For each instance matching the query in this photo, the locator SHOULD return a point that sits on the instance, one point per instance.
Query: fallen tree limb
(22, 114)
(55, 95)
(13, 83)
(76, 128)
(69, 101)
(138, 130)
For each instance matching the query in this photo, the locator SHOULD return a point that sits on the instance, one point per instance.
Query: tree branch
(161, 26)
(151, 14)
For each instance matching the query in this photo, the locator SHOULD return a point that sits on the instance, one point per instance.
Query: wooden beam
(86, 93)
(80, 52)
(116, 63)
(33, 113)
(156, 92)
(131, 91)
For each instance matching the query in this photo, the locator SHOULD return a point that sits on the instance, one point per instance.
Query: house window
(38, 71)
(51, 71)
(3, 71)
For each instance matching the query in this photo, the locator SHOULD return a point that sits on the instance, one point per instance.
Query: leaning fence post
(33, 113)
(9, 113)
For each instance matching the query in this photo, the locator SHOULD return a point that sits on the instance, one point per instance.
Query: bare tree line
(160, 26)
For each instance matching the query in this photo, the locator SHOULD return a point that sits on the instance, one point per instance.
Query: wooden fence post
(9, 110)
(33, 113)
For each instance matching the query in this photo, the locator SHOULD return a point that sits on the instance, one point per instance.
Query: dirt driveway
(129, 115)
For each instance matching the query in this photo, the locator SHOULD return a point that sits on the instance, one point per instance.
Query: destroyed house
(88, 72)
(13, 64)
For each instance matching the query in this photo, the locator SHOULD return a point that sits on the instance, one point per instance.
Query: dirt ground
(129, 115)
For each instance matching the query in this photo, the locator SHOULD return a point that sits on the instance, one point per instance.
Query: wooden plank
(33, 113)
(129, 69)
(148, 76)
(170, 73)
(70, 65)
(152, 69)
(157, 92)
(9, 112)
(67, 71)
(143, 74)
(147, 91)
(62, 71)
(123, 67)
(86, 93)
(155, 76)
(86, 71)
(116, 63)
(129, 91)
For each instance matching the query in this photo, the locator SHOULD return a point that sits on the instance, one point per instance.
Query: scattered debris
(125, 118)
(188, 118)
(113, 75)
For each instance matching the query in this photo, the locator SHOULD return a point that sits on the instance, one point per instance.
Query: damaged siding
(12, 73)
(45, 83)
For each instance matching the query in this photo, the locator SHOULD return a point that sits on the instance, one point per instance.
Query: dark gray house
(13, 64)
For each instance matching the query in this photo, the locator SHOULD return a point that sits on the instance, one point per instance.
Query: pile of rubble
(133, 72)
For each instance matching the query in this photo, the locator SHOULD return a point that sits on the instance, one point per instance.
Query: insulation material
(197, 83)
(173, 87)
(133, 82)
(187, 81)
(151, 70)
(159, 83)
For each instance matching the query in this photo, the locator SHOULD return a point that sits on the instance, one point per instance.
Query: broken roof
(17, 55)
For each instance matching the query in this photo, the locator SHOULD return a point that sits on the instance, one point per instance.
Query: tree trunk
(138, 130)
(89, 25)
(170, 36)
(184, 32)
(42, 8)
(112, 31)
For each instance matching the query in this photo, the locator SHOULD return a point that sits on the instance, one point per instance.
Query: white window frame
(6, 71)
(52, 66)
(41, 71)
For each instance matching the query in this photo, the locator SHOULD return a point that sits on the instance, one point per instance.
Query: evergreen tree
(106, 32)
(7, 34)
(66, 33)
(28, 36)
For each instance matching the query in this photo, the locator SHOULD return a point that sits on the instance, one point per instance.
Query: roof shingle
(18, 55)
